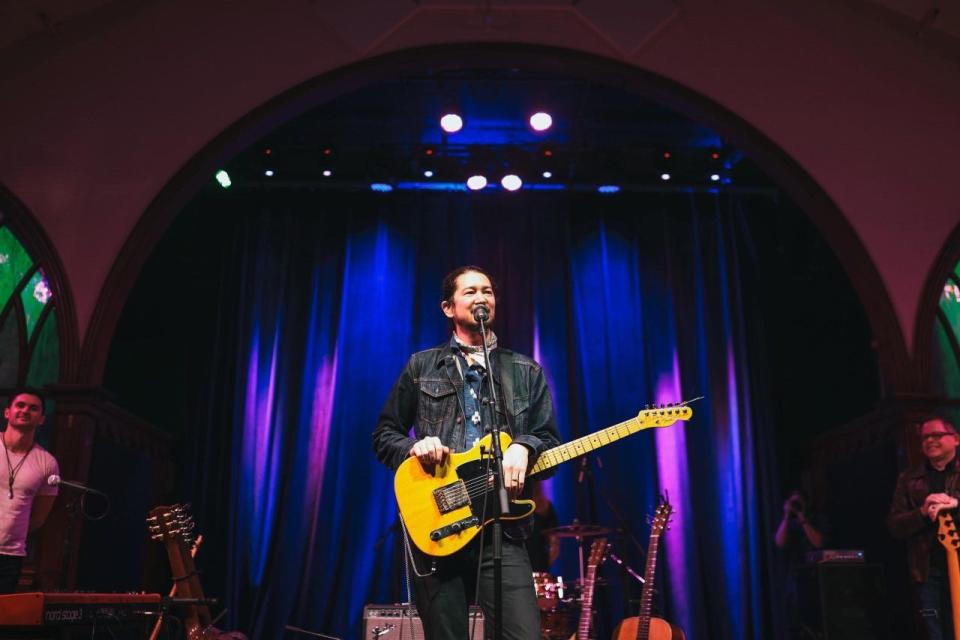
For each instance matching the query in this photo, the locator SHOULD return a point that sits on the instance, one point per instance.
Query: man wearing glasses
(921, 493)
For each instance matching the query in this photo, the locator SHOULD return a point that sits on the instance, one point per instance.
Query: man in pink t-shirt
(25, 496)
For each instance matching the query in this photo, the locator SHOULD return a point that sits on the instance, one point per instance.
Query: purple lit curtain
(625, 301)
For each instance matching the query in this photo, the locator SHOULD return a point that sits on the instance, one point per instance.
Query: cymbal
(577, 531)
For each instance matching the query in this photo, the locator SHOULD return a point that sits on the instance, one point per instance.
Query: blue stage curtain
(625, 301)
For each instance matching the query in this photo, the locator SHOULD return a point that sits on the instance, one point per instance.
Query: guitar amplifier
(401, 622)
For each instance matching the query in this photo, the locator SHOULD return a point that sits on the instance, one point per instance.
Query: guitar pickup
(451, 497)
(454, 527)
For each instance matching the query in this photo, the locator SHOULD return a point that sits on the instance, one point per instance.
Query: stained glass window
(29, 340)
(946, 345)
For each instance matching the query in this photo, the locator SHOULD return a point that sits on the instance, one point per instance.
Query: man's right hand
(430, 451)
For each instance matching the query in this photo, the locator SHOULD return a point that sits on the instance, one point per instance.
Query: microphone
(481, 313)
(56, 480)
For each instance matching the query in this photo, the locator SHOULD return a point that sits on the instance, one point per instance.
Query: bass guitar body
(660, 629)
(445, 506)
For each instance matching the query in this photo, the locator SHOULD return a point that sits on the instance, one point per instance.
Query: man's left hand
(515, 468)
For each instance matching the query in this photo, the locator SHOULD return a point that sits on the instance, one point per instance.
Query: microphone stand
(480, 314)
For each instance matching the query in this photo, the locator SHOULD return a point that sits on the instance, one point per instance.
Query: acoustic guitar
(645, 626)
(444, 506)
(174, 526)
(947, 534)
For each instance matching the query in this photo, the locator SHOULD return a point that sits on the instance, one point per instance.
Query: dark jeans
(9, 573)
(443, 597)
(935, 610)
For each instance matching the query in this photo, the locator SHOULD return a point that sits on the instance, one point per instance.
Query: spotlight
(476, 183)
(667, 155)
(664, 176)
(327, 173)
(511, 182)
(541, 121)
(714, 156)
(268, 151)
(381, 187)
(428, 174)
(268, 173)
(715, 177)
(223, 178)
(608, 188)
(451, 123)
(547, 174)
(328, 152)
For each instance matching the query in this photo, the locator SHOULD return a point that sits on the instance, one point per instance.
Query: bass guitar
(444, 506)
(645, 626)
(948, 537)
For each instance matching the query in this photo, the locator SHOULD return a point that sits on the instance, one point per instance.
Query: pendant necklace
(11, 470)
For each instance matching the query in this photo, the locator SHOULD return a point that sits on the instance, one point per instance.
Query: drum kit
(560, 602)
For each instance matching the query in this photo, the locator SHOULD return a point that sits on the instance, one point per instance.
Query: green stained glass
(15, 262)
(946, 367)
(44, 365)
(35, 297)
(9, 350)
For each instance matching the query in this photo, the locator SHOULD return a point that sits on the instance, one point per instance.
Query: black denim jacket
(907, 522)
(428, 395)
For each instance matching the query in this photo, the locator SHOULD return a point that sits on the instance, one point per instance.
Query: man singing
(444, 395)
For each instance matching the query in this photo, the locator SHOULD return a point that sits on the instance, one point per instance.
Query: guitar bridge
(451, 497)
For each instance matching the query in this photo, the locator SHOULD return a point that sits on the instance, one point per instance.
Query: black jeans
(442, 597)
(9, 573)
(935, 610)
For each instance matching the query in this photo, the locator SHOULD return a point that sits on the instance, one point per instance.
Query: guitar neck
(646, 599)
(576, 448)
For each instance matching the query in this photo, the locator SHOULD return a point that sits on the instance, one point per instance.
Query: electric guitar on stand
(597, 551)
(444, 506)
(949, 538)
(644, 626)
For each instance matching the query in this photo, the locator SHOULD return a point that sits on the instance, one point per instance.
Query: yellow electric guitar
(947, 534)
(444, 506)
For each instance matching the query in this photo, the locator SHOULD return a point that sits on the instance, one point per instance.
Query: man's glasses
(936, 435)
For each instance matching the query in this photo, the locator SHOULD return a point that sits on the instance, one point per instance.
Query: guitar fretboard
(646, 599)
(576, 448)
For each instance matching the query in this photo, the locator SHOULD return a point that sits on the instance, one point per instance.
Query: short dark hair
(929, 417)
(449, 285)
(31, 391)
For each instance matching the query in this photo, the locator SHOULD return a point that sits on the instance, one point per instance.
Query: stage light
(451, 123)
(511, 182)
(547, 174)
(327, 173)
(714, 156)
(664, 176)
(541, 121)
(428, 151)
(715, 177)
(381, 187)
(223, 178)
(428, 174)
(548, 153)
(268, 173)
(608, 188)
(475, 183)
(268, 151)
(328, 152)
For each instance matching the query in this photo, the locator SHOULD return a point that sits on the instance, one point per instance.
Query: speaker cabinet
(844, 601)
(401, 622)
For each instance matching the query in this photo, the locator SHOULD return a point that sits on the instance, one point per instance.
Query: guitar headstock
(661, 518)
(597, 551)
(947, 532)
(171, 523)
(664, 415)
